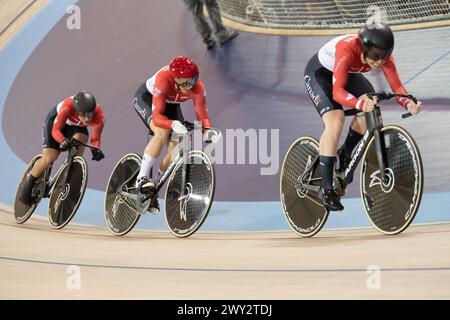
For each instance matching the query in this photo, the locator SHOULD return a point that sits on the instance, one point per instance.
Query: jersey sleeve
(60, 121)
(159, 104)
(392, 77)
(201, 111)
(340, 77)
(98, 123)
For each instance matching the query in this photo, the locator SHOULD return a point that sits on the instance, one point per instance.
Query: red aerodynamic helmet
(183, 67)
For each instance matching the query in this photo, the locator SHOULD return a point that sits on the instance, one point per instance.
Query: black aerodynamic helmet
(377, 41)
(84, 102)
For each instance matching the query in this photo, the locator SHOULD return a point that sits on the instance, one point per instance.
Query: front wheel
(302, 208)
(67, 193)
(392, 204)
(186, 213)
(23, 212)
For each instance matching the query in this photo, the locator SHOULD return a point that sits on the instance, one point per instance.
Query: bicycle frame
(374, 124)
(184, 151)
(50, 182)
(185, 141)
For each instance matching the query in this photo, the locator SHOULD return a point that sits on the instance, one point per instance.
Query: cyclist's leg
(49, 156)
(171, 151)
(318, 82)
(49, 145)
(333, 121)
(173, 113)
(357, 85)
(159, 140)
(143, 106)
(50, 153)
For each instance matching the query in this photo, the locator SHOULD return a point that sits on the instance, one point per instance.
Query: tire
(23, 212)
(66, 196)
(302, 209)
(184, 217)
(121, 213)
(392, 206)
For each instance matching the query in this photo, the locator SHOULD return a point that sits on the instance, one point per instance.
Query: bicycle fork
(374, 123)
(185, 155)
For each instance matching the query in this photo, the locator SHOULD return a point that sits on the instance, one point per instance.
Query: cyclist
(67, 121)
(333, 78)
(157, 103)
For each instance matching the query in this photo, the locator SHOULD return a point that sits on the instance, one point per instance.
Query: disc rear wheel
(302, 208)
(122, 212)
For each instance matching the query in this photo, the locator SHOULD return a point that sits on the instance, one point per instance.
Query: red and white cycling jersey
(162, 87)
(342, 55)
(68, 115)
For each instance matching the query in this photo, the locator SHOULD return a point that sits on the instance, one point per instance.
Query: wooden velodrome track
(35, 260)
(278, 265)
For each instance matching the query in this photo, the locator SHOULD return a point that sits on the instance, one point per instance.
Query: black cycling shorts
(143, 105)
(319, 85)
(68, 131)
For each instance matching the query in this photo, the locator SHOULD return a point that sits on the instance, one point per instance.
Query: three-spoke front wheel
(187, 209)
(392, 203)
(67, 193)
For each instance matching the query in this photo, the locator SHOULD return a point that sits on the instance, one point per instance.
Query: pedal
(339, 186)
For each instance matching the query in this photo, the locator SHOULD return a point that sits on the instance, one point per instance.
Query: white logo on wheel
(303, 192)
(386, 186)
(118, 200)
(185, 200)
(62, 195)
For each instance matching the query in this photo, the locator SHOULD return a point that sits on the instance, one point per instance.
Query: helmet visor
(186, 83)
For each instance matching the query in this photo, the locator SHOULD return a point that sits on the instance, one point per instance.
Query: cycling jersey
(163, 89)
(342, 55)
(66, 115)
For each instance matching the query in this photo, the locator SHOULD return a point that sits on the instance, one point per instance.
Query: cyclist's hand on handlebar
(66, 144)
(97, 154)
(368, 103)
(212, 135)
(178, 127)
(414, 108)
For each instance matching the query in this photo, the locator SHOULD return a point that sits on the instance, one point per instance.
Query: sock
(146, 165)
(326, 171)
(351, 141)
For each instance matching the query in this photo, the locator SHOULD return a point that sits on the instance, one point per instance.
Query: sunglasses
(186, 84)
